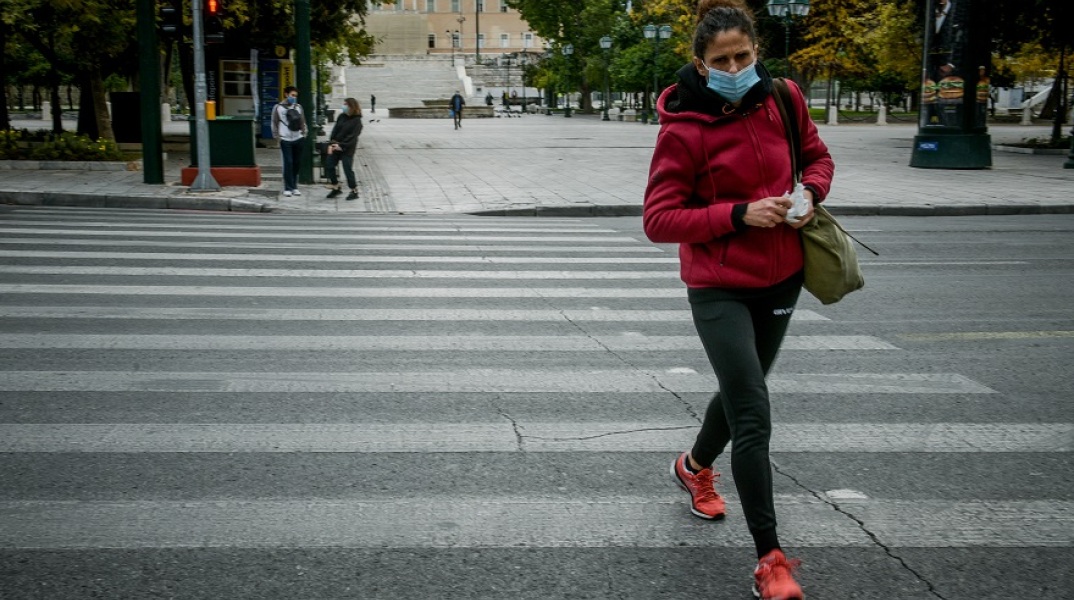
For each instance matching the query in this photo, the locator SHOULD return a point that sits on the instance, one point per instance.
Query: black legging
(742, 331)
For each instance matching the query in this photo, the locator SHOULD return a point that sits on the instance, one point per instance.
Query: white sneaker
(287, 192)
(296, 192)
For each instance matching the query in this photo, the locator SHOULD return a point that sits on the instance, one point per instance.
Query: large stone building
(427, 27)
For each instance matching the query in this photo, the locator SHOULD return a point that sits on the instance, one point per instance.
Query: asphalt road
(283, 406)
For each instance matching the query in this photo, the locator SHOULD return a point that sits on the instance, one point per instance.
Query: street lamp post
(606, 45)
(786, 11)
(656, 35)
(461, 19)
(525, 60)
(568, 50)
(452, 36)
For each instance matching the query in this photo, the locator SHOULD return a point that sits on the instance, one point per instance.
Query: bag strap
(790, 125)
(794, 140)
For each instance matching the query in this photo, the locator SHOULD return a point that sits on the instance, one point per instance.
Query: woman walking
(718, 186)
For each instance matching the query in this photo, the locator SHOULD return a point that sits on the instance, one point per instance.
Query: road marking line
(347, 292)
(474, 380)
(232, 245)
(337, 258)
(984, 335)
(339, 273)
(127, 233)
(510, 522)
(403, 314)
(508, 343)
(436, 438)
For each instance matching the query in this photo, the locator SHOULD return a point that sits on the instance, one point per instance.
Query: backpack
(293, 118)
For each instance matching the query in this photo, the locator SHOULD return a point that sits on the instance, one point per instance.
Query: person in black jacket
(341, 146)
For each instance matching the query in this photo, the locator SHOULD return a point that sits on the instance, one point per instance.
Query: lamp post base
(952, 151)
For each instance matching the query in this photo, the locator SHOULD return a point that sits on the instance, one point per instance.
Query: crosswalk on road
(289, 406)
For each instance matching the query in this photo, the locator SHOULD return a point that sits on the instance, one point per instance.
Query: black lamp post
(1070, 157)
(656, 35)
(568, 50)
(606, 45)
(786, 11)
(452, 36)
(462, 45)
(525, 60)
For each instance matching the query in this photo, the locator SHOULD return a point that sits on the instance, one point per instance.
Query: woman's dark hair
(289, 89)
(352, 104)
(717, 16)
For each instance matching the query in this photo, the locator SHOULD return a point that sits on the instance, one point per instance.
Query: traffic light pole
(149, 83)
(204, 181)
(303, 68)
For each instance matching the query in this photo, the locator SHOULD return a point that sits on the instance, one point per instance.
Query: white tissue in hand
(800, 205)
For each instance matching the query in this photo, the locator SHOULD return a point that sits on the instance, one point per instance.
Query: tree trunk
(186, 72)
(1061, 109)
(87, 120)
(100, 106)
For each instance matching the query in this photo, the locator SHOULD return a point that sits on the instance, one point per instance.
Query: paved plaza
(551, 165)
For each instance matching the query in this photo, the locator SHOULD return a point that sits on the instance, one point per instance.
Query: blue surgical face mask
(345, 109)
(733, 87)
(291, 99)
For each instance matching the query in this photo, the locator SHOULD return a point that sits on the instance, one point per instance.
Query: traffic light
(214, 27)
(171, 20)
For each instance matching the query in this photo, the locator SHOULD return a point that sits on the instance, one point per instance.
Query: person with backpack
(719, 186)
(289, 127)
(342, 143)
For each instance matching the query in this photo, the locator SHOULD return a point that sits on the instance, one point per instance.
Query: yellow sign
(287, 74)
(281, 52)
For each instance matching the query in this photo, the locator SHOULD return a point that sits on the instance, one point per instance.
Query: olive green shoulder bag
(831, 264)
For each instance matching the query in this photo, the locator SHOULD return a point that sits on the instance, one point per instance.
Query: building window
(432, 40)
(430, 6)
(527, 40)
(503, 6)
(505, 40)
(480, 40)
(455, 6)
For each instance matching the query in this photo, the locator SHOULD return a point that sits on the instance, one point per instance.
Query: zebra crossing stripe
(339, 273)
(512, 522)
(535, 343)
(521, 436)
(414, 227)
(337, 258)
(346, 292)
(587, 238)
(475, 381)
(340, 247)
(403, 314)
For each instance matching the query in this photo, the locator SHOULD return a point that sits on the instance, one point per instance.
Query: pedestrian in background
(718, 185)
(289, 127)
(342, 143)
(372, 103)
(456, 108)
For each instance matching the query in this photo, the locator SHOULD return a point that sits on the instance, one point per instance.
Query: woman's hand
(767, 212)
(808, 216)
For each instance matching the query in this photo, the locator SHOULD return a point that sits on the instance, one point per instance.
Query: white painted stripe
(232, 245)
(347, 292)
(513, 343)
(513, 522)
(387, 314)
(944, 263)
(474, 380)
(601, 274)
(968, 336)
(352, 226)
(337, 258)
(501, 436)
(126, 233)
(37, 213)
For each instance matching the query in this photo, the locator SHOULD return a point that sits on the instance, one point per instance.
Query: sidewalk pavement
(550, 165)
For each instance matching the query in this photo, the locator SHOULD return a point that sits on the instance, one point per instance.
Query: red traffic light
(212, 8)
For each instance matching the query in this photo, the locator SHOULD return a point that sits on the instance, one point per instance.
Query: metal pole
(149, 81)
(607, 93)
(655, 120)
(204, 181)
(303, 77)
(477, 26)
(787, 46)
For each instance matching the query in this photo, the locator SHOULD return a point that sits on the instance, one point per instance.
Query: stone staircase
(402, 81)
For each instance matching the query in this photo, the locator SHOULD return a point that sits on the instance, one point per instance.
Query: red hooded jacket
(705, 163)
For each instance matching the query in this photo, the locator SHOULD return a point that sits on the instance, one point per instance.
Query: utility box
(231, 142)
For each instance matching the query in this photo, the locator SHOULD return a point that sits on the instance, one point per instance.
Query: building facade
(464, 27)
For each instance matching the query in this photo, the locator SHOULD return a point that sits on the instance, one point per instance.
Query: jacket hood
(692, 99)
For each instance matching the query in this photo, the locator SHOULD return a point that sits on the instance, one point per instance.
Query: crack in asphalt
(606, 434)
(514, 425)
(861, 525)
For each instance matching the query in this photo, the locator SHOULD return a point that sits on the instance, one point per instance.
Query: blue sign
(928, 146)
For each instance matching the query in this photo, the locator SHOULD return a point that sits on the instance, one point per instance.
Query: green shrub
(9, 144)
(71, 146)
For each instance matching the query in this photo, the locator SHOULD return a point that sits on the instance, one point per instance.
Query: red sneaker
(773, 579)
(704, 501)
